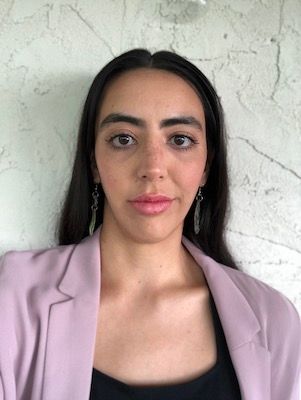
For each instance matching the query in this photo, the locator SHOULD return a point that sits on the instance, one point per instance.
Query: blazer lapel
(251, 360)
(72, 326)
(252, 366)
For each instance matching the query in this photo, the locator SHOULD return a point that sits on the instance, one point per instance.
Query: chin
(144, 229)
(152, 233)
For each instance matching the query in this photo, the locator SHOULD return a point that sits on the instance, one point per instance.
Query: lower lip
(151, 208)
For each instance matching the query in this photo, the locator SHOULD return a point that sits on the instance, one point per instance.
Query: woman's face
(150, 140)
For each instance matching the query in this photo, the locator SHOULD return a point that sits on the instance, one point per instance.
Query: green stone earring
(94, 208)
(197, 211)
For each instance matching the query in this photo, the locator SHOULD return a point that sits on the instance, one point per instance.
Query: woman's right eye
(121, 141)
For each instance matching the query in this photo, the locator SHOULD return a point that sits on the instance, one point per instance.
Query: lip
(151, 204)
(151, 198)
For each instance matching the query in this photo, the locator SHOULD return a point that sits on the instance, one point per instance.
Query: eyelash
(193, 141)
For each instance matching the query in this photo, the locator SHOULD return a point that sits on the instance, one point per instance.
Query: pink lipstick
(151, 204)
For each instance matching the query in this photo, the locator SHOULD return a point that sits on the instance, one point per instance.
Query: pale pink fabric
(48, 314)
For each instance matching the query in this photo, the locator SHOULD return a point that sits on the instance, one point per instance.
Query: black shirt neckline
(165, 388)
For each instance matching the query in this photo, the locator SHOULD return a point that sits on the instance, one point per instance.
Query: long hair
(76, 213)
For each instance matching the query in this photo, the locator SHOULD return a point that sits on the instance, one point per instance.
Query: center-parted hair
(76, 213)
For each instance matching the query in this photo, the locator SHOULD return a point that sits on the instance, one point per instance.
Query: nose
(152, 162)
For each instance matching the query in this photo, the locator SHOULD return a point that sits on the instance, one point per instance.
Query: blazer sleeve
(292, 348)
(284, 342)
(1, 389)
(281, 333)
(7, 338)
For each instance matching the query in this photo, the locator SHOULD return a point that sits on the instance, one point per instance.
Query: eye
(122, 140)
(183, 142)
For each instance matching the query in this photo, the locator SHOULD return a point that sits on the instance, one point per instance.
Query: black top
(219, 383)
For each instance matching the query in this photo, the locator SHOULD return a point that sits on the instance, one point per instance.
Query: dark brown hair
(76, 213)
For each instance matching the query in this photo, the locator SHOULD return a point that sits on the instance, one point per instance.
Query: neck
(132, 266)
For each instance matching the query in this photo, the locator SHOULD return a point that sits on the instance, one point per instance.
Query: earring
(94, 208)
(197, 211)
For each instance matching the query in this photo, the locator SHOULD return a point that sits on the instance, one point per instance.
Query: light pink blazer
(48, 314)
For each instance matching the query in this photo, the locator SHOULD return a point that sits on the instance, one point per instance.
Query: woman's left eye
(183, 142)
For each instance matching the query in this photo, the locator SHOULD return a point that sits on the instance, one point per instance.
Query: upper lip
(151, 198)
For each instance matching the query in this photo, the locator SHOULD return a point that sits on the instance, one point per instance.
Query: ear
(207, 169)
(204, 177)
(205, 174)
(94, 169)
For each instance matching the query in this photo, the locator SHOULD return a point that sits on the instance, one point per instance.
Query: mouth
(151, 207)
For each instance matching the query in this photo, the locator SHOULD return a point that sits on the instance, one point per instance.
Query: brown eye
(122, 140)
(182, 141)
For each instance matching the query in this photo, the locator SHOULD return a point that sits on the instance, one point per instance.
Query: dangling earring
(197, 211)
(94, 208)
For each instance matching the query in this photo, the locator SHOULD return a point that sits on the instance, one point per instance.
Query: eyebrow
(165, 123)
(182, 120)
(117, 117)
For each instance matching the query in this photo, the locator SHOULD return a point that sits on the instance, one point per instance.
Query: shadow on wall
(182, 11)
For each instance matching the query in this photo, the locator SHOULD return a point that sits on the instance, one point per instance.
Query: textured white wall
(251, 50)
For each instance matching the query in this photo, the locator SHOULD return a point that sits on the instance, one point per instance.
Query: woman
(136, 302)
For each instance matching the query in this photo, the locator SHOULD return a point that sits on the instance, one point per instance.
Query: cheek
(191, 173)
(111, 176)
(190, 183)
(107, 176)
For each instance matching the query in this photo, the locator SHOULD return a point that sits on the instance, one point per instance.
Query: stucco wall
(251, 50)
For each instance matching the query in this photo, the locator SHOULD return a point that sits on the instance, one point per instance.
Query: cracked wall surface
(250, 50)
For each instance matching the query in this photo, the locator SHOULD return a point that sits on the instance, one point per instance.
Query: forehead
(146, 90)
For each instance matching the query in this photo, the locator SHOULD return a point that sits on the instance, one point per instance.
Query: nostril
(152, 176)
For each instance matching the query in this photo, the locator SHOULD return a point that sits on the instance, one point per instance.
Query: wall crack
(91, 28)
(271, 159)
(264, 239)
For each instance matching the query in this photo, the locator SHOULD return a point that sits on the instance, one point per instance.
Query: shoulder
(263, 298)
(271, 307)
(29, 282)
(279, 320)
(280, 326)
(23, 268)
(277, 317)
